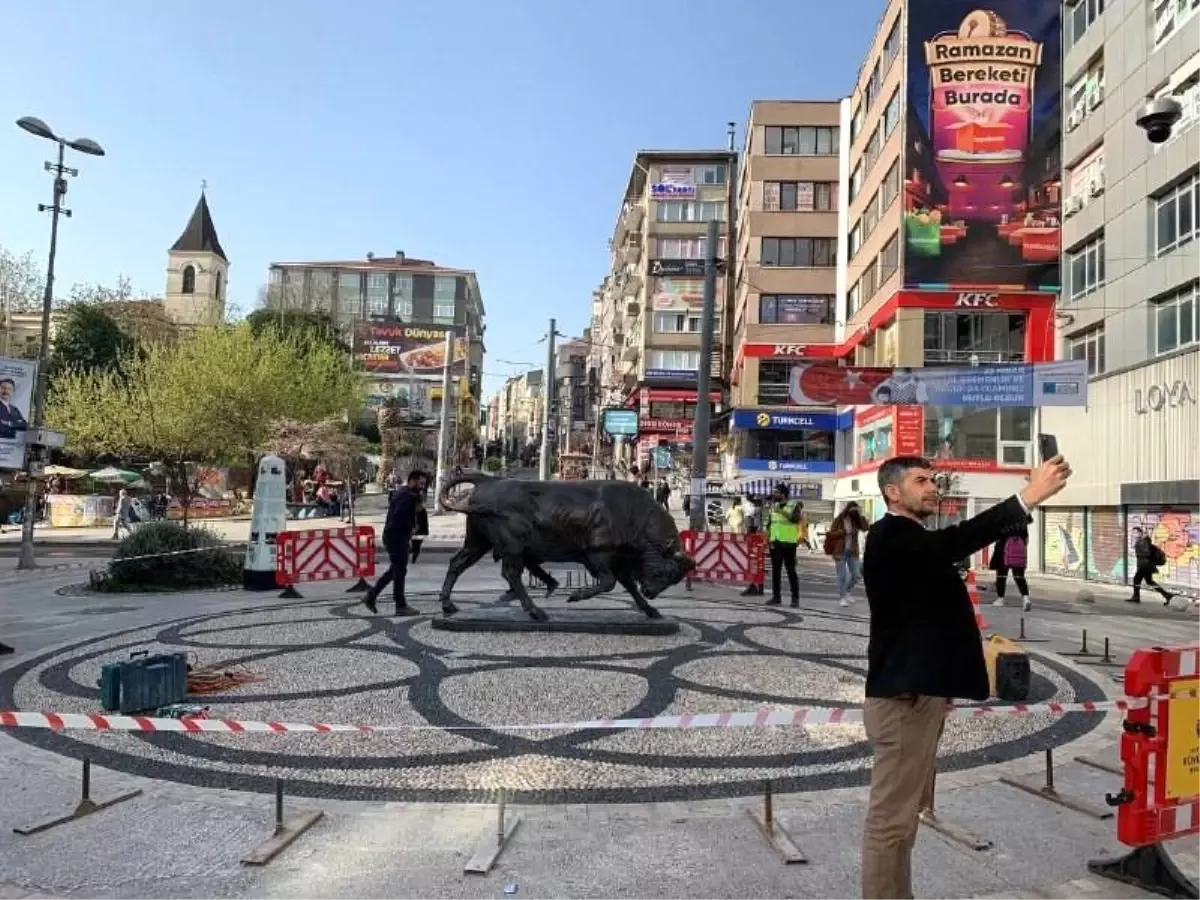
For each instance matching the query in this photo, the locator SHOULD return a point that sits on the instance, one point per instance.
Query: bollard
(1047, 791)
(493, 844)
(1106, 658)
(1083, 647)
(85, 807)
(780, 841)
(284, 833)
(1021, 636)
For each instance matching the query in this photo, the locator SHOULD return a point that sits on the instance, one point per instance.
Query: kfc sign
(977, 300)
(753, 350)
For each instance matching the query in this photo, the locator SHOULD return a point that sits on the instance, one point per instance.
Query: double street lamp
(38, 128)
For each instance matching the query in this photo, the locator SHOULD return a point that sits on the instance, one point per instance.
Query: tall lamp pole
(37, 127)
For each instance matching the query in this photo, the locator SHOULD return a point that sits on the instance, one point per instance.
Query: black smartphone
(1047, 446)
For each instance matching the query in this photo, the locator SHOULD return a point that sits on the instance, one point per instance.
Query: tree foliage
(90, 340)
(315, 326)
(211, 397)
(22, 281)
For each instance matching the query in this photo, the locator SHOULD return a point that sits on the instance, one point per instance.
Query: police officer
(783, 531)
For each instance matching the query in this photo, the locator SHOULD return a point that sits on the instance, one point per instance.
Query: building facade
(571, 396)
(1130, 301)
(652, 298)
(396, 313)
(789, 194)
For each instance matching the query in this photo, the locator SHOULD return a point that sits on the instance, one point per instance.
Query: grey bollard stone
(1085, 596)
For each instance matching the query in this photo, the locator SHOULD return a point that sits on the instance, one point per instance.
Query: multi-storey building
(785, 296)
(656, 290)
(1130, 297)
(520, 416)
(396, 313)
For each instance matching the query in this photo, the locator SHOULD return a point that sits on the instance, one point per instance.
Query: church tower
(197, 272)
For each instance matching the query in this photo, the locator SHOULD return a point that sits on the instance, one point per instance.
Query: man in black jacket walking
(1149, 557)
(397, 534)
(924, 649)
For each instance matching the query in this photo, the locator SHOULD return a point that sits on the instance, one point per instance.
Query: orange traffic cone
(973, 592)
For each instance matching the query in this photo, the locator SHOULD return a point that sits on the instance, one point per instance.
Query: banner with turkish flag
(1024, 384)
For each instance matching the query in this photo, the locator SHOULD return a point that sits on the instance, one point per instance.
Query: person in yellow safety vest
(786, 528)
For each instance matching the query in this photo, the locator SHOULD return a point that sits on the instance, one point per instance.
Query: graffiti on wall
(1177, 531)
(1098, 532)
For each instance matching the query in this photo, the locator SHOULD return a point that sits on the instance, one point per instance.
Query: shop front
(1136, 465)
(795, 447)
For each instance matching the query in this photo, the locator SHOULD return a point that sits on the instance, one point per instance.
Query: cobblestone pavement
(587, 827)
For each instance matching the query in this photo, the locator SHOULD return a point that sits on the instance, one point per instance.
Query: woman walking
(1011, 554)
(843, 542)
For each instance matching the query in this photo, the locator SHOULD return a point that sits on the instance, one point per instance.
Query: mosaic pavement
(326, 660)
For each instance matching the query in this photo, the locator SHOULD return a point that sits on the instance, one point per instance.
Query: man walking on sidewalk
(1149, 558)
(923, 651)
(397, 535)
(783, 531)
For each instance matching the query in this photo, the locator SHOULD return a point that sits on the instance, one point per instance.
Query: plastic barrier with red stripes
(736, 558)
(1160, 750)
(324, 554)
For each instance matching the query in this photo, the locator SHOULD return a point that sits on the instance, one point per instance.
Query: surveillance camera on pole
(1158, 117)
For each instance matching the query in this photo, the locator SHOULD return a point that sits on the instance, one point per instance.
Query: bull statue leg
(628, 582)
(599, 567)
(537, 572)
(459, 563)
(511, 568)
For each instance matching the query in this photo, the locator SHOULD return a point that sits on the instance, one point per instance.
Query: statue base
(560, 621)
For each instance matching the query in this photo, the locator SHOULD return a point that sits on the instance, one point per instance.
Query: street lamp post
(37, 127)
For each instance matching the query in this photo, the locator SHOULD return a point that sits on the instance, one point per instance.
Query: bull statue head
(664, 568)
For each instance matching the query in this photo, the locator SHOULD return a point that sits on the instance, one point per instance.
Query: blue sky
(493, 136)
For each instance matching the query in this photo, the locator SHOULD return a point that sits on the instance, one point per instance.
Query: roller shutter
(1106, 544)
(1063, 542)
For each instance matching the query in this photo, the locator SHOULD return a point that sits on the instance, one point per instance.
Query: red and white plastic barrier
(738, 558)
(325, 554)
(798, 716)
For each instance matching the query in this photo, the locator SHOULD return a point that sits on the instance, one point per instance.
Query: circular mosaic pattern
(328, 661)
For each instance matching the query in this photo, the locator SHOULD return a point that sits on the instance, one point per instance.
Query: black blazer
(924, 639)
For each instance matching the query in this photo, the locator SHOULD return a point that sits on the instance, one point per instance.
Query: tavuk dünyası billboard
(982, 163)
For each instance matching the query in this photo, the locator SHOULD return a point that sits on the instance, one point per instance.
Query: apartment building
(395, 311)
(1130, 298)
(571, 395)
(651, 302)
(520, 416)
(785, 297)
(952, 234)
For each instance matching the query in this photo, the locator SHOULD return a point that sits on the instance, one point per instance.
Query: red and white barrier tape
(785, 716)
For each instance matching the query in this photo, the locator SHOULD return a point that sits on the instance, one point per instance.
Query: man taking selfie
(924, 649)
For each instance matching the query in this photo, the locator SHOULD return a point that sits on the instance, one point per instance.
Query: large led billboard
(982, 163)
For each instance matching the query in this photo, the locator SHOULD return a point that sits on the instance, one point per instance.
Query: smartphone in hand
(1047, 446)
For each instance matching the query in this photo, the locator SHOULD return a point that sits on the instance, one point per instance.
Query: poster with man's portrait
(17, 379)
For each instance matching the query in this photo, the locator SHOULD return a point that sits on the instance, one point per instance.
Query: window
(710, 175)
(673, 410)
(1175, 320)
(774, 376)
(684, 248)
(1085, 268)
(1184, 87)
(856, 180)
(1081, 17)
(795, 309)
(854, 298)
(874, 146)
(891, 45)
(349, 298)
(889, 258)
(799, 196)
(1088, 345)
(377, 296)
(972, 433)
(217, 287)
(891, 114)
(673, 360)
(962, 338)
(1175, 215)
(855, 239)
(689, 210)
(871, 89)
(189, 279)
(870, 216)
(681, 322)
(402, 294)
(804, 140)
(1170, 16)
(1085, 181)
(890, 187)
(800, 252)
(801, 445)
(856, 122)
(1085, 93)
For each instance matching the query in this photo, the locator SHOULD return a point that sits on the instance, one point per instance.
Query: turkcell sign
(671, 191)
(785, 421)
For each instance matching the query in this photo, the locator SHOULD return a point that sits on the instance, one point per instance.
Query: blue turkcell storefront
(786, 442)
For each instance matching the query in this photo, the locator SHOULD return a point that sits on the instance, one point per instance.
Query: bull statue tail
(454, 481)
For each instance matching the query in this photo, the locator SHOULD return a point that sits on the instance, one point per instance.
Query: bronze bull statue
(614, 529)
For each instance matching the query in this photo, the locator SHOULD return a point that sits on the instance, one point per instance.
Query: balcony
(631, 352)
(970, 357)
(632, 282)
(633, 307)
(631, 253)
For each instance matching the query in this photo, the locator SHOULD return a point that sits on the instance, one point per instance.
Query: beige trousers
(905, 732)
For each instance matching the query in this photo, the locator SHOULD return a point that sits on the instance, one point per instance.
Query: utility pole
(703, 379)
(548, 404)
(444, 429)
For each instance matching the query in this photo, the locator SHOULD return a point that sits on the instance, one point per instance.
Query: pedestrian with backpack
(843, 542)
(1011, 554)
(1149, 557)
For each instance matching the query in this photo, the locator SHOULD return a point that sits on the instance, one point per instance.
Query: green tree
(212, 397)
(314, 326)
(89, 340)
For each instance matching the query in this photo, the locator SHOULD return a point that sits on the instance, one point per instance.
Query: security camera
(1158, 117)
